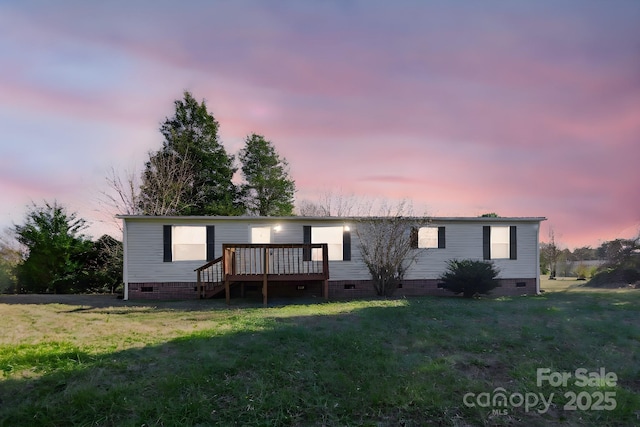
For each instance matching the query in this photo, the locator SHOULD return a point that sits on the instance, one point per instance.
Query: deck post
(225, 275)
(325, 270)
(265, 272)
(199, 285)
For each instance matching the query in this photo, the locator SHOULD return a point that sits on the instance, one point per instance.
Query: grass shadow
(379, 362)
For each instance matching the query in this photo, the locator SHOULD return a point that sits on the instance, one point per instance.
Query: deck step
(211, 291)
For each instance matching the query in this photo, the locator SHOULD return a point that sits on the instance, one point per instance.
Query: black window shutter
(346, 245)
(513, 242)
(306, 239)
(211, 236)
(414, 237)
(441, 238)
(486, 242)
(166, 242)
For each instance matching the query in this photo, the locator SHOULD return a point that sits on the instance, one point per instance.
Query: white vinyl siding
(144, 255)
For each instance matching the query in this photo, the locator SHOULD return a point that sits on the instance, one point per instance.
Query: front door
(259, 235)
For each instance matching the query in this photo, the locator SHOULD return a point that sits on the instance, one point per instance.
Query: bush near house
(470, 277)
(622, 267)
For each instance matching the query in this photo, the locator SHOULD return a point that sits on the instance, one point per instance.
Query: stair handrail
(202, 268)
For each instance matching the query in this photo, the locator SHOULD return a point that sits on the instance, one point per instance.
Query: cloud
(523, 109)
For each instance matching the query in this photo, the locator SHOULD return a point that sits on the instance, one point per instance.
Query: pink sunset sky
(464, 107)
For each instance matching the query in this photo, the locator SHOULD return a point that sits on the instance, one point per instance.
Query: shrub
(386, 248)
(582, 271)
(615, 278)
(469, 277)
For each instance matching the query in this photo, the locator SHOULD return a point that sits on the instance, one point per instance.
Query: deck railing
(264, 263)
(211, 272)
(272, 259)
(210, 276)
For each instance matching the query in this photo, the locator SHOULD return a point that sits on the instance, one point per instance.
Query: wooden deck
(243, 263)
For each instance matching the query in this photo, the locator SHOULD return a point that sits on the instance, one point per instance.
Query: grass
(377, 362)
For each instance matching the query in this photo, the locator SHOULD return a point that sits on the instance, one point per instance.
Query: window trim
(486, 242)
(346, 241)
(441, 244)
(167, 242)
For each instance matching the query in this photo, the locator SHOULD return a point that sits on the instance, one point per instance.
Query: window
(188, 243)
(332, 236)
(260, 234)
(428, 237)
(499, 242)
(338, 240)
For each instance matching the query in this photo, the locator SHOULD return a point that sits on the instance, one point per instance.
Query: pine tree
(268, 189)
(192, 173)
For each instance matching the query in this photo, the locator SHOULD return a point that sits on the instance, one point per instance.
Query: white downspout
(125, 264)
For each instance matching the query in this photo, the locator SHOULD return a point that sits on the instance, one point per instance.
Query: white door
(258, 234)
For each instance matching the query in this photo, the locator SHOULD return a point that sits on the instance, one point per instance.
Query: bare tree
(124, 196)
(166, 180)
(11, 254)
(309, 208)
(334, 204)
(166, 183)
(385, 245)
(551, 254)
(384, 233)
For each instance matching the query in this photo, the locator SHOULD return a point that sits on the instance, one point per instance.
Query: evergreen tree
(470, 277)
(192, 173)
(105, 265)
(56, 250)
(268, 188)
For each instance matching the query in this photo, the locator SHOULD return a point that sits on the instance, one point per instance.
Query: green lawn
(411, 362)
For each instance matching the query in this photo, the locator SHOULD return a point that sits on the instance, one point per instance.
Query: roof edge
(325, 218)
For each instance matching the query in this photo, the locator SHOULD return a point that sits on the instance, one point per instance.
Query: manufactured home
(182, 257)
